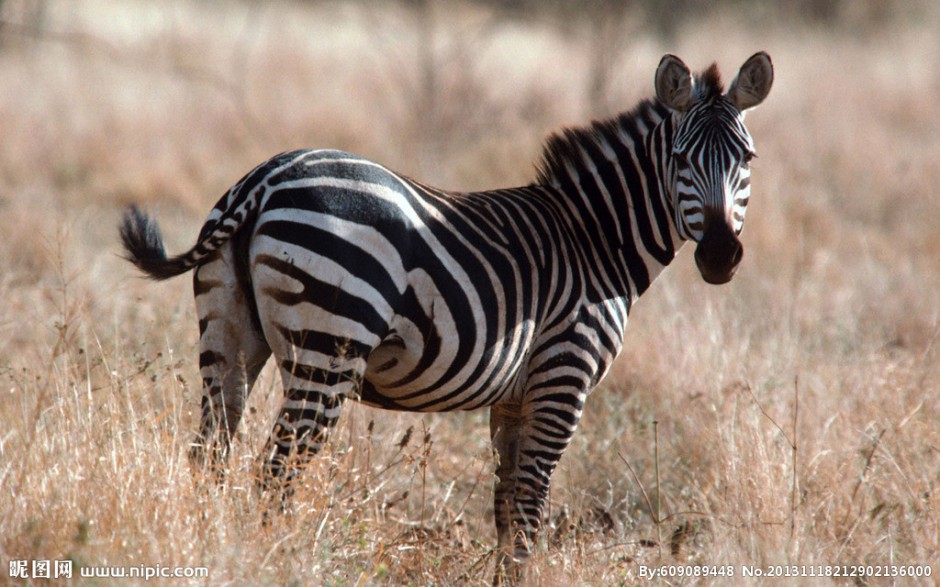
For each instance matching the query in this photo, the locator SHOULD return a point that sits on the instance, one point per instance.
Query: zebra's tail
(143, 245)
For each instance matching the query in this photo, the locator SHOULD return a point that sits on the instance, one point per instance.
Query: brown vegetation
(789, 418)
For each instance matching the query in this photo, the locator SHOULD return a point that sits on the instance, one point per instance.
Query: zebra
(368, 285)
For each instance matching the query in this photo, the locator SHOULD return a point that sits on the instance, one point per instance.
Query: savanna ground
(789, 418)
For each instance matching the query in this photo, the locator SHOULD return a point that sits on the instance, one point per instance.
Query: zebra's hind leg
(232, 352)
(315, 386)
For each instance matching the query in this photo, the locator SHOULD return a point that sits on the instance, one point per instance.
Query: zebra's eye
(680, 157)
(746, 161)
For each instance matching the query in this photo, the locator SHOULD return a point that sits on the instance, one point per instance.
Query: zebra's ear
(753, 82)
(674, 83)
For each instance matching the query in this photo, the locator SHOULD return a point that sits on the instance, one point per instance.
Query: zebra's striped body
(363, 283)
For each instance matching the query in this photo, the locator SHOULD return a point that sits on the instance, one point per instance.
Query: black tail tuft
(143, 244)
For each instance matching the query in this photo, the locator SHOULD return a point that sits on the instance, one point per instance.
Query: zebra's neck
(612, 177)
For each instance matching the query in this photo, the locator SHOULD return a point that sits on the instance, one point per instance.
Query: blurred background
(827, 338)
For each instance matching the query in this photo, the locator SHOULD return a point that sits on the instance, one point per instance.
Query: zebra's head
(709, 156)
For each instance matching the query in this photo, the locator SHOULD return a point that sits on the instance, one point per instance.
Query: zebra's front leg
(504, 434)
(543, 429)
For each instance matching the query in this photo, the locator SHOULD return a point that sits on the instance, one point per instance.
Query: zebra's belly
(409, 374)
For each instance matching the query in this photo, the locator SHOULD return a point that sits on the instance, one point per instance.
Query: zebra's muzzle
(718, 253)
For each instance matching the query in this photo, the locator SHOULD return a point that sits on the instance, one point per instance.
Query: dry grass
(827, 339)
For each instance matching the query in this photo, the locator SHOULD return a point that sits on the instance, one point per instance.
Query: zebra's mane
(708, 84)
(566, 148)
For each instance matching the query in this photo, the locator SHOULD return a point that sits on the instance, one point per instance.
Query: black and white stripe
(364, 283)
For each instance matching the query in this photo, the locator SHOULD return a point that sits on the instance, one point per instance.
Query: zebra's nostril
(738, 255)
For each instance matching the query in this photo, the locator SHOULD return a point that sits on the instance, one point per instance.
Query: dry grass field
(791, 417)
